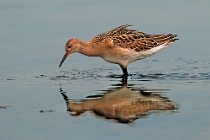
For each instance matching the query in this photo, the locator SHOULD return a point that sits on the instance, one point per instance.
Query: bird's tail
(164, 38)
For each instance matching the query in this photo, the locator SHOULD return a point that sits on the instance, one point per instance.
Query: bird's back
(133, 39)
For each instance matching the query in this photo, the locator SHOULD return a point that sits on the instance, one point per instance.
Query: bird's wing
(139, 42)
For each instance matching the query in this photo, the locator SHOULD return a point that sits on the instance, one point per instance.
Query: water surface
(33, 34)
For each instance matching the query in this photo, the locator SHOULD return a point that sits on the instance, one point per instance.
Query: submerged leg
(125, 74)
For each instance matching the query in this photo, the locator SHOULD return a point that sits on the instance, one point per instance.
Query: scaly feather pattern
(133, 39)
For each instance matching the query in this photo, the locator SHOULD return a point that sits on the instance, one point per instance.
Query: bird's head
(70, 47)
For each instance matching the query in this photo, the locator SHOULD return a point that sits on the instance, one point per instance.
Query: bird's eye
(69, 47)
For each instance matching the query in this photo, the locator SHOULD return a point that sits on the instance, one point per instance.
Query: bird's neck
(87, 49)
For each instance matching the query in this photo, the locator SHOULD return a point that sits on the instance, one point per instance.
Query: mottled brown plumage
(133, 39)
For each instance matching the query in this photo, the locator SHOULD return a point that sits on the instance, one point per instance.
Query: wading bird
(120, 46)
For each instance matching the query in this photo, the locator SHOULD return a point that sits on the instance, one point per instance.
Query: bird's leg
(125, 75)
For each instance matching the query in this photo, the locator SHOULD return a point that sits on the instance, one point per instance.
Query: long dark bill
(63, 59)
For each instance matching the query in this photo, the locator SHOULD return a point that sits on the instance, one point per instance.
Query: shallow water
(32, 105)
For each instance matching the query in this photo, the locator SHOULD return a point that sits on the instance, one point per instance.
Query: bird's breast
(121, 56)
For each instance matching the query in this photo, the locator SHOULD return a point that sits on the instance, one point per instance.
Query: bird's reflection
(121, 103)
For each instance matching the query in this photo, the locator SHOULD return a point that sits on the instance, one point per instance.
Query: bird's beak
(63, 59)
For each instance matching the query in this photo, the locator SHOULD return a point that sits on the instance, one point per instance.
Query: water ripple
(98, 74)
(172, 76)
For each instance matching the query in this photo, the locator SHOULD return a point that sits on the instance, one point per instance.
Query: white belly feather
(125, 56)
